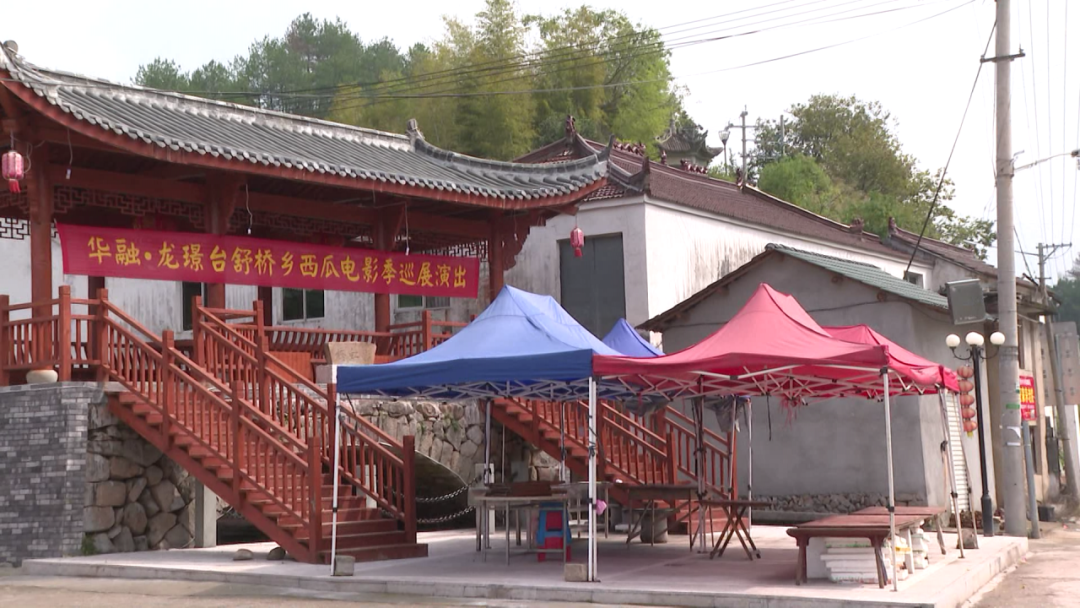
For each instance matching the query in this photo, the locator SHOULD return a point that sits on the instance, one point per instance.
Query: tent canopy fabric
(910, 367)
(771, 346)
(626, 340)
(523, 345)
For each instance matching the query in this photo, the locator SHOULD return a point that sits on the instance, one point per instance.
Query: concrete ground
(17, 589)
(664, 575)
(1048, 578)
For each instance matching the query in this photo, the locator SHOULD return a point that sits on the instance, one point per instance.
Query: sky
(919, 60)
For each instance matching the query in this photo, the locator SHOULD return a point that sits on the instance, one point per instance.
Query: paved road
(1049, 578)
(51, 592)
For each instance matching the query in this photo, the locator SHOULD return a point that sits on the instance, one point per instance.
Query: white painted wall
(689, 249)
(537, 267)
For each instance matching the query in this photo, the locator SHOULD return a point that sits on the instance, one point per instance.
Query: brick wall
(43, 432)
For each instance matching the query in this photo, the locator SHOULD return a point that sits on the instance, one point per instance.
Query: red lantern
(966, 386)
(12, 169)
(969, 427)
(967, 413)
(965, 371)
(577, 241)
(967, 399)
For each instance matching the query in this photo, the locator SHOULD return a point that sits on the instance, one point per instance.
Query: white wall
(688, 250)
(537, 267)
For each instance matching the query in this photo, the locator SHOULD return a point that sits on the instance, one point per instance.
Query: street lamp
(724, 136)
(975, 342)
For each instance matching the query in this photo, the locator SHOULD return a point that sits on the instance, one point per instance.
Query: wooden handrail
(689, 425)
(308, 409)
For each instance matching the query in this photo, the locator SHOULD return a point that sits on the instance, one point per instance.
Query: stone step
(371, 554)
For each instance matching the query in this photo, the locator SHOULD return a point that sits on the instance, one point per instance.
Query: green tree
(584, 54)
(1067, 290)
(853, 143)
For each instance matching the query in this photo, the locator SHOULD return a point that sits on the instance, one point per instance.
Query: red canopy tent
(773, 347)
(922, 371)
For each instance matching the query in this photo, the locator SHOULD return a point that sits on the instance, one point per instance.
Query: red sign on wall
(1027, 398)
(236, 260)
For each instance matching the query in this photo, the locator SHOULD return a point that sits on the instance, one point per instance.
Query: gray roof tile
(263, 137)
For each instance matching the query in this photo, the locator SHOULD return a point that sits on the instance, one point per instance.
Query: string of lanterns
(967, 399)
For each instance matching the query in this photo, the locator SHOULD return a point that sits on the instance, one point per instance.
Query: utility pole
(1012, 454)
(743, 117)
(1064, 426)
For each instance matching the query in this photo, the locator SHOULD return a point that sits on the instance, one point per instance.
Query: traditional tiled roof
(957, 255)
(686, 139)
(698, 191)
(254, 137)
(867, 274)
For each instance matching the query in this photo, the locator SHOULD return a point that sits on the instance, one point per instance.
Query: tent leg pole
(955, 500)
(750, 463)
(889, 463)
(700, 430)
(592, 482)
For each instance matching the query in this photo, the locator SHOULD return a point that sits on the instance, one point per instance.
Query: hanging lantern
(966, 386)
(12, 169)
(967, 413)
(577, 241)
(965, 371)
(969, 427)
(967, 399)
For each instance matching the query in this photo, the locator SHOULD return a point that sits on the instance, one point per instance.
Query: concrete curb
(953, 596)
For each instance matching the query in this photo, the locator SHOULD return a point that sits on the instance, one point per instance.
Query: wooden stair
(362, 533)
(264, 452)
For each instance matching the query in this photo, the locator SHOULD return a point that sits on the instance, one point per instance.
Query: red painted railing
(240, 356)
(720, 473)
(265, 459)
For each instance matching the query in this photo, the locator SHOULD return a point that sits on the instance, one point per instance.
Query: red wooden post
(63, 338)
(332, 408)
(315, 478)
(236, 430)
(6, 345)
(197, 331)
(39, 197)
(670, 447)
(265, 398)
(165, 385)
(101, 333)
(408, 457)
(425, 330)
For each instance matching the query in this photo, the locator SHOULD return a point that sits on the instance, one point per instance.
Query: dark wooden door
(593, 286)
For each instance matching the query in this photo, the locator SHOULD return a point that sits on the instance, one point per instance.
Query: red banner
(1027, 398)
(237, 260)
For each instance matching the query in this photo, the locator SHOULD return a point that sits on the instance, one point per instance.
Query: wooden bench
(874, 528)
(934, 513)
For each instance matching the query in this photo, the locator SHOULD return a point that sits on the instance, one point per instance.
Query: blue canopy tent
(629, 342)
(523, 345)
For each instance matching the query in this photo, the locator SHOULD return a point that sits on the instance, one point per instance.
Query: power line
(647, 81)
(531, 69)
(1038, 139)
(371, 98)
(948, 161)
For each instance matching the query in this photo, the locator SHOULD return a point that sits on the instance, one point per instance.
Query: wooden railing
(626, 448)
(265, 458)
(55, 334)
(306, 410)
(720, 474)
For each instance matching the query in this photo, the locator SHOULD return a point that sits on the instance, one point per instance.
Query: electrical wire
(542, 66)
(948, 161)
(647, 81)
(657, 48)
(1038, 138)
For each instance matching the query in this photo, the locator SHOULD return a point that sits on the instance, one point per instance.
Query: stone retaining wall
(136, 499)
(834, 503)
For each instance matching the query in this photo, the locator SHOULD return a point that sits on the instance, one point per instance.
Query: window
(188, 292)
(300, 304)
(406, 301)
(914, 278)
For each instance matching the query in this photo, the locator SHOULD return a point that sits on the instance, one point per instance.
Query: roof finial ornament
(569, 127)
(663, 157)
(412, 129)
(857, 225)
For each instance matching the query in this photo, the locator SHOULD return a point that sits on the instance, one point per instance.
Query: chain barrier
(446, 518)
